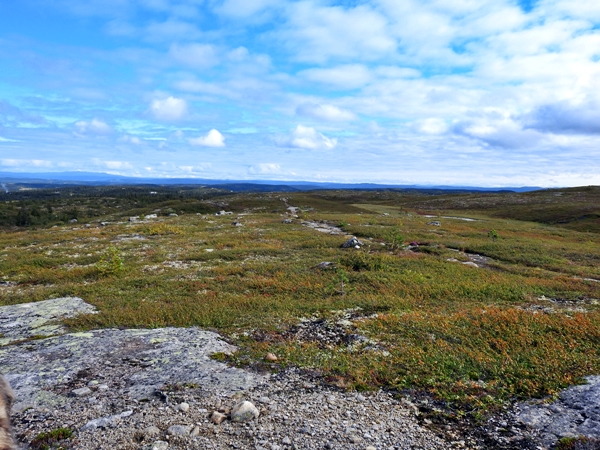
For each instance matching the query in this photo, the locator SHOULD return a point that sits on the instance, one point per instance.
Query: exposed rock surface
(575, 413)
(323, 227)
(28, 320)
(135, 362)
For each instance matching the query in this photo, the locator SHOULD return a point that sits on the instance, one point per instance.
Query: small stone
(244, 412)
(271, 357)
(82, 392)
(93, 383)
(103, 387)
(354, 439)
(370, 447)
(152, 431)
(195, 432)
(158, 445)
(286, 441)
(183, 407)
(217, 417)
(179, 430)
(360, 398)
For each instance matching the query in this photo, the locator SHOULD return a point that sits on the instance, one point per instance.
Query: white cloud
(112, 165)
(324, 112)
(168, 109)
(320, 33)
(212, 139)
(265, 168)
(308, 138)
(349, 76)
(26, 163)
(198, 168)
(195, 55)
(93, 127)
(3, 139)
(431, 126)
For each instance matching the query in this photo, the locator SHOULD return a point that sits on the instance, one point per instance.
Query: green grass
(472, 336)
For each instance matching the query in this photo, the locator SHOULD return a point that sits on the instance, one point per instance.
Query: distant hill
(101, 179)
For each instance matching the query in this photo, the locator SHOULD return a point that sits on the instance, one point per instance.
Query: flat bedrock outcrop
(135, 362)
(575, 413)
(28, 320)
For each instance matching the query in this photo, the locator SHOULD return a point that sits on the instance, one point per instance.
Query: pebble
(183, 407)
(244, 412)
(152, 431)
(217, 417)
(158, 445)
(81, 392)
(179, 430)
(271, 357)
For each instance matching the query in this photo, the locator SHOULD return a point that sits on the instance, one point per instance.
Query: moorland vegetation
(473, 312)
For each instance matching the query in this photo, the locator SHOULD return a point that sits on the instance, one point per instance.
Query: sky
(454, 92)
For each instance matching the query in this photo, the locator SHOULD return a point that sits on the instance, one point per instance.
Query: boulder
(244, 412)
(352, 243)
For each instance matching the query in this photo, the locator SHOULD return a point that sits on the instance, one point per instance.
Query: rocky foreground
(159, 389)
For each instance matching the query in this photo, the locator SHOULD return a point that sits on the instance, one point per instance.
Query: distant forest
(25, 206)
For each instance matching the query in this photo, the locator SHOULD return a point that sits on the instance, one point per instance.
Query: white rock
(183, 407)
(244, 412)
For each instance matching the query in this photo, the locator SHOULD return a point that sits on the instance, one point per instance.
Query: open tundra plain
(451, 320)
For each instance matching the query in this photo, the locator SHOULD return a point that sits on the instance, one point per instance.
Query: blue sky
(457, 92)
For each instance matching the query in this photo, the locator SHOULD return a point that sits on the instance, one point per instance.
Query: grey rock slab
(575, 413)
(37, 369)
(27, 320)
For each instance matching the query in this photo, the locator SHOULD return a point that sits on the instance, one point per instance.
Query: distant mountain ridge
(99, 178)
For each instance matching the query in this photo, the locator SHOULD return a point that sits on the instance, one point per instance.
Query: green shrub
(111, 262)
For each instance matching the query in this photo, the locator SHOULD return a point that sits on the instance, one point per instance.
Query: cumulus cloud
(95, 127)
(431, 126)
(198, 168)
(212, 139)
(112, 165)
(500, 132)
(169, 109)
(307, 138)
(348, 76)
(324, 112)
(265, 168)
(320, 33)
